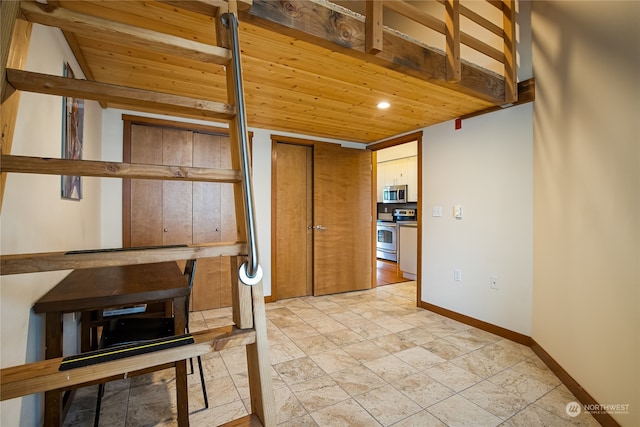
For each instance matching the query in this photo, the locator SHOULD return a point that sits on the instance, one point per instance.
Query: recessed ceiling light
(383, 105)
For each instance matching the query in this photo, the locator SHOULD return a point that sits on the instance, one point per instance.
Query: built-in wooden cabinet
(182, 212)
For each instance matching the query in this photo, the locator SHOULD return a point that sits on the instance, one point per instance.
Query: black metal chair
(128, 330)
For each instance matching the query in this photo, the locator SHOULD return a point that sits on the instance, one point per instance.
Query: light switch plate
(436, 211)
(457, 211)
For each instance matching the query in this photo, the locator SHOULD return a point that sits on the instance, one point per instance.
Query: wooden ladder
(249, 319)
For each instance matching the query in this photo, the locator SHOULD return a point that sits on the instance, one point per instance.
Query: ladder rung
(53, 261)
(42, 165)
(103, 92)
(43, 376)
(96, 27)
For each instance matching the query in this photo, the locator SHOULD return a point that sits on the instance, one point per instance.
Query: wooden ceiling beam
(207, 7)
(142, 99)
(75, 22)
(526, 93)
(317, 24)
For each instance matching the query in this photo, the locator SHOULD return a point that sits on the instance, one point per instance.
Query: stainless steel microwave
(394, 194)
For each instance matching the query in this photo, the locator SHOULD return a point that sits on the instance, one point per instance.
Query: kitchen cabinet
(402, 171)
(408, 250)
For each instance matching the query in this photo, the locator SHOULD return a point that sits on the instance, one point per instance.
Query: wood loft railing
(450, 27)
(319, 22)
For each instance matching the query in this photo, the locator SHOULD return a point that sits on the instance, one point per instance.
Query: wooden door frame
(275, 139)
(415, 136)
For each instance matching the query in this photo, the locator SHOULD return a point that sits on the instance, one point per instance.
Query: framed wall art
(72, 130)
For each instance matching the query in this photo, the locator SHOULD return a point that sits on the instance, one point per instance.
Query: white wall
(487, 168)
(35, 219)
(586, 300)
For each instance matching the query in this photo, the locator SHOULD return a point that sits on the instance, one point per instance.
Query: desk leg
(180, 313)
(53, 339)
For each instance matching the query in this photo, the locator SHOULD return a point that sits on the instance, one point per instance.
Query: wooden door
(294, 200)
(342, 209)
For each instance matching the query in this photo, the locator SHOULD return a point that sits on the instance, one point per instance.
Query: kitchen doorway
(321, 218)
(406, 173)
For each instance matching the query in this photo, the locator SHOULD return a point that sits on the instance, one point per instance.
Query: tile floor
(367, 358)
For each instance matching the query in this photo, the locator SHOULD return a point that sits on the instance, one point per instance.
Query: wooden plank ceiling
(292, 84)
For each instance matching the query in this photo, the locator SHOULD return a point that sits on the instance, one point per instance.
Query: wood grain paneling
(294, 240)
(294, 81)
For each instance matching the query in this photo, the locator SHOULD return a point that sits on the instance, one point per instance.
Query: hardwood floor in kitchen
(387, 273)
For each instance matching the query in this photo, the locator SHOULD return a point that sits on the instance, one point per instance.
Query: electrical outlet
(457, 275)
(493, 282)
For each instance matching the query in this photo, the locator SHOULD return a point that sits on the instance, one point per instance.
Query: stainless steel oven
(386, 240)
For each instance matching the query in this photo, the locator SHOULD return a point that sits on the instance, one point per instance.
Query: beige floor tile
(520, 385)
(334, 360)
(357, 380)
(456, 411)
(536, 369)
(393, 343)
(556, 402)
(387, 404)
(452, 376)
(390, 368)
(284, 352)
(298, 370)
(478, 365)
(344, 337)
(315, 344)
(365, 350)
(338, 360)
(494, 399)
(534, 415)
(347, 413)
(419, 358)
(421, 419)
(418, 336)
(422, 389)
(304, 421)
(287, 405)
(444, 349)
(318, 393)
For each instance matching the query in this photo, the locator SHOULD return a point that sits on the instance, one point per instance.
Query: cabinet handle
(166, 229)
(320, 227)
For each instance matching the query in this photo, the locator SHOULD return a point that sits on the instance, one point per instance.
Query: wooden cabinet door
(342, 206)
(145, 194)
(213, 221)
(177, 150)
(172, 212)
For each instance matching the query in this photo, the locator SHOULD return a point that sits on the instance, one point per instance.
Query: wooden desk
(92, 289)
